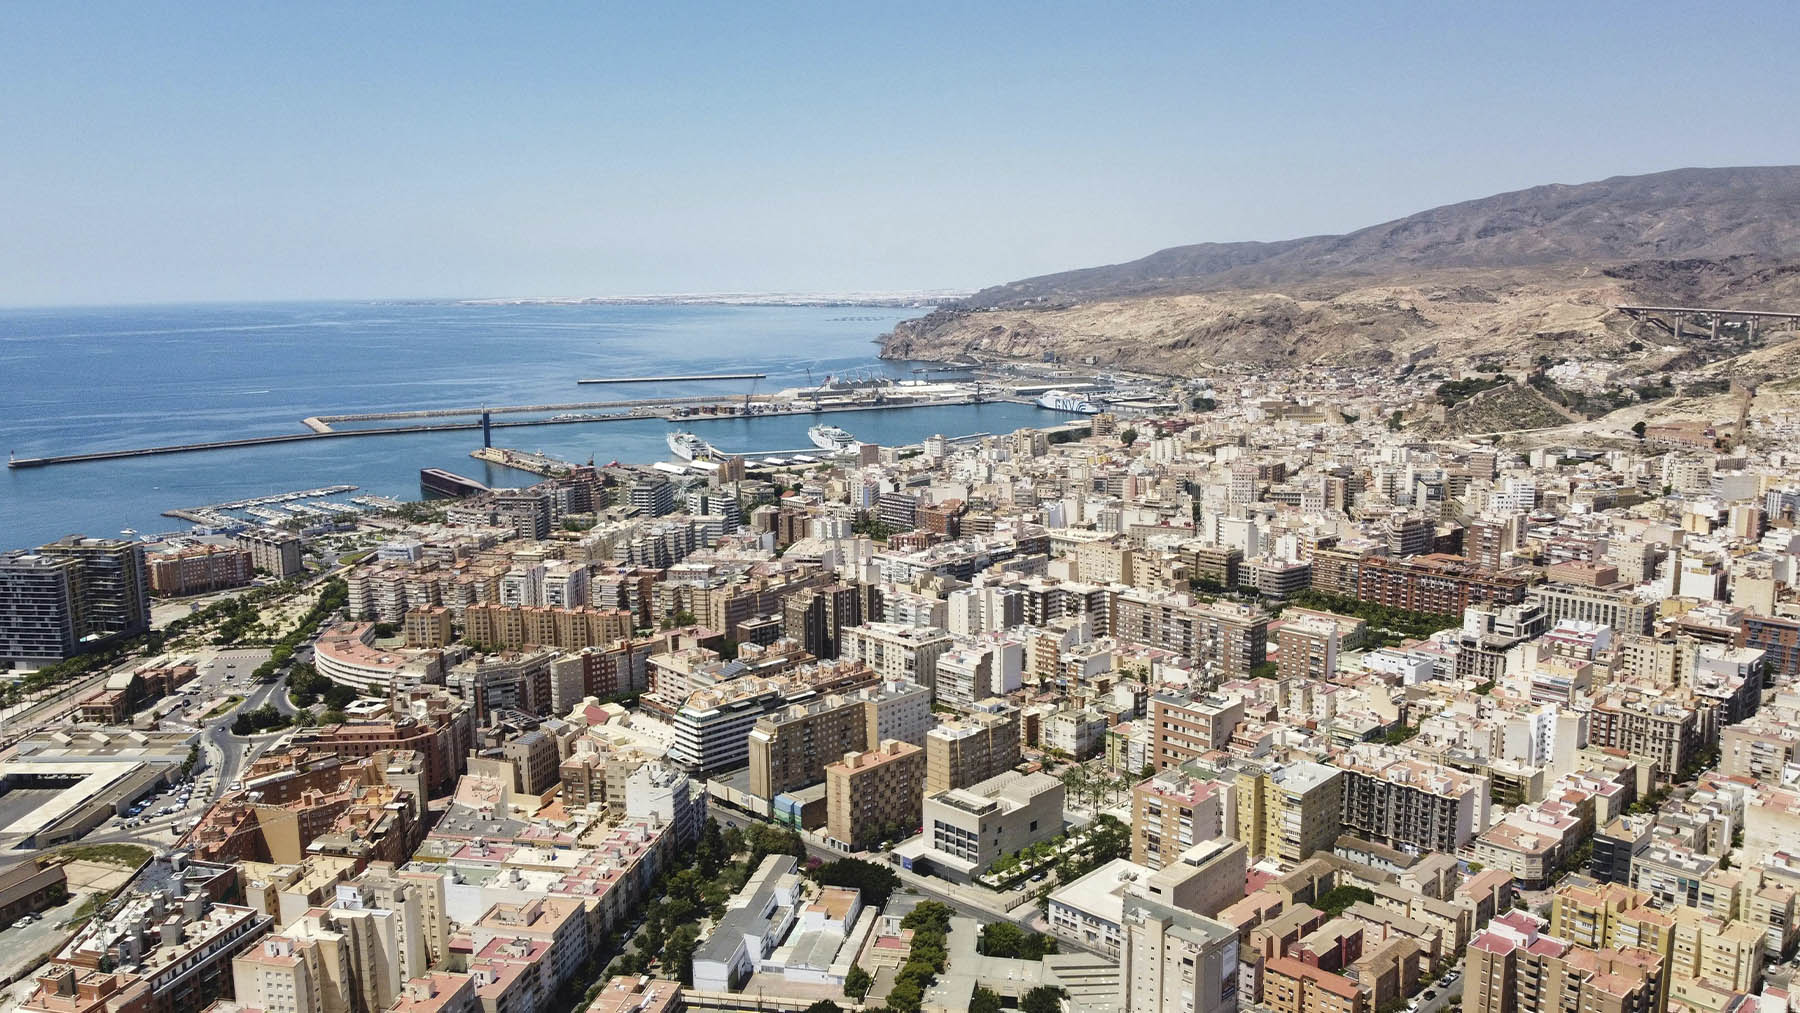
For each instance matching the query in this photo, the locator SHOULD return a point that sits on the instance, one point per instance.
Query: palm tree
(1074, 782)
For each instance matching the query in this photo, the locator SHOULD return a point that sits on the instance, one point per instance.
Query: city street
(224, 756)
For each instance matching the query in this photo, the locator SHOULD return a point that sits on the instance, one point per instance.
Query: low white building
(1090, 910)
(780, 924)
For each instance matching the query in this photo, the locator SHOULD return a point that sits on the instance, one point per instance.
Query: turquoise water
(89, 379)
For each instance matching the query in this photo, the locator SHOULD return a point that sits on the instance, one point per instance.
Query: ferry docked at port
(1063, 401)
(689, 447)
(832, 438)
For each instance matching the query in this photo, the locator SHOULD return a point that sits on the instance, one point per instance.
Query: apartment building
(818, 617)
(1758, 748)
(790, 748)
(875, 793)
(40, 608)
(1411, 805)
(1224, 641)
(898, 652)
(1174, 811)
(1515, 967)
(1185, 727)
(1289, 811)
(273, 551)
(1216, 564)
(1307, 649)
(1291, 986)
(973, 747)
(1174, 960)
(432, 723)
(513, 627)
(71, 596)
(508, 680)
(428, 627)
(198, 569)
(975, 671)
(712, 726)
(169, 949)
(1436, 583)
(1651, 728)
(1622, 610)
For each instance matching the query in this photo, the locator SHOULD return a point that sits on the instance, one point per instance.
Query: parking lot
(229, 670)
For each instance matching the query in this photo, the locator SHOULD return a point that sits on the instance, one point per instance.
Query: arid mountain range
(1506, 280)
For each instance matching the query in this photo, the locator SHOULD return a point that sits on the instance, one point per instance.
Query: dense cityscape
(1268, 691)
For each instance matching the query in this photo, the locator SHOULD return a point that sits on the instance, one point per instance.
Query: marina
(273, 508)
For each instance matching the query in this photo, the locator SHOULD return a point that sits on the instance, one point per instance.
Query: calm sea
(91, 379)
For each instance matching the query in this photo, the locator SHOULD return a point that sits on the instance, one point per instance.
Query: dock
(674, 409)
(523, 460)
(687, 378)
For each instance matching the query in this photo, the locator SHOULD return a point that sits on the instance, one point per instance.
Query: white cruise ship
(689, 447)
(1063, 401)
(831, 438)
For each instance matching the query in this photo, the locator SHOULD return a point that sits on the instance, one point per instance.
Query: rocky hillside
(1523, 274)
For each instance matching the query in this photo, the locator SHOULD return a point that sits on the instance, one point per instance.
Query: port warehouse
(57, 786)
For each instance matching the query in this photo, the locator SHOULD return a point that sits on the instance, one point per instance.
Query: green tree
(1638, 427)
(824, 1006)
(1128, 437)
(1042, 999)
(1336, 900)
(1001, 939)
(857, 983)
(927, 915)
(711, 853)
(764, 840)
(678, 953)
(876, 882)
(985, 1000)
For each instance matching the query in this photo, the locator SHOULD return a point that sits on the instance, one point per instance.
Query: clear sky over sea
(165, 152)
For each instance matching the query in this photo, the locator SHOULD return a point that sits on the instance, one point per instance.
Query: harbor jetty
(688, 378)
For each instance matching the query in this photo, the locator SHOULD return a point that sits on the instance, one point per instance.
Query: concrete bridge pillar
(1715, 327)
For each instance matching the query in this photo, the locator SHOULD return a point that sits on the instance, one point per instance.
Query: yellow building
(1289, 812)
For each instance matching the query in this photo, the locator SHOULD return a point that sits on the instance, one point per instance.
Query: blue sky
(167, 152)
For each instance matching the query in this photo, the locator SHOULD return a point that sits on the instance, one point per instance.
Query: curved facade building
(346, 654)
